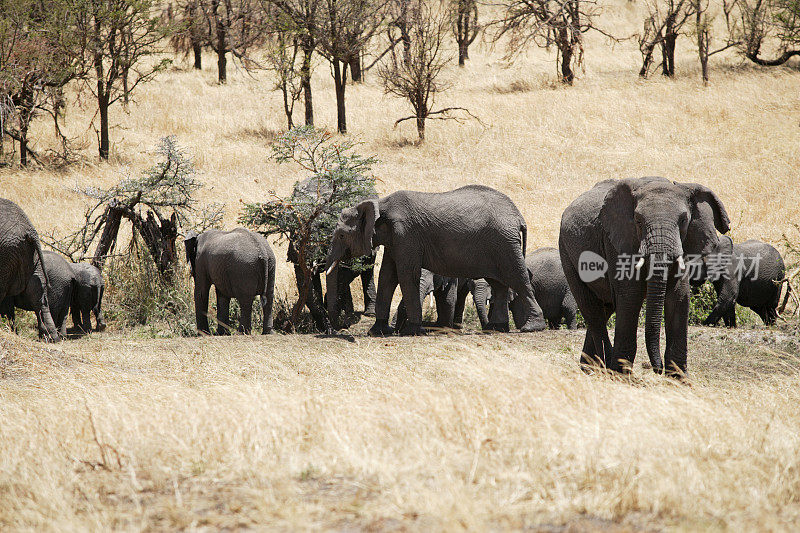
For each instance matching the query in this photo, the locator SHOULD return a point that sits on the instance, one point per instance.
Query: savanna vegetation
(146, 426)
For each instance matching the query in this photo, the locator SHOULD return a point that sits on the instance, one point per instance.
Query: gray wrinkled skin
(550, 288)
(240, 264)
(471, 232)
(88, 297)
(760, 293)
(660, 219)
(21, 260)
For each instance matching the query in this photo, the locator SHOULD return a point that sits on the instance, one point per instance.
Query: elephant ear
(616, 217)
(368, 213)
(708, 217)
(190, 243)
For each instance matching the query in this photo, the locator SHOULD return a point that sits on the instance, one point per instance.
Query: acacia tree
(345, 27)
(33, 68)
(156, 204)
(545, 23)
(117, 37)
(417, 78)
(465, 26)
(308, 217)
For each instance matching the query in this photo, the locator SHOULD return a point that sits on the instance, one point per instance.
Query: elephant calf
(240, 264)
(752, 278)
(550, 288)
(87, 297)
(60, 292)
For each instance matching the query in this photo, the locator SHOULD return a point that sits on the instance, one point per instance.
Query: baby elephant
(752, 278)
(550, 288)
(87, 297)
(60, 292)
(444, 291)
(240, 264)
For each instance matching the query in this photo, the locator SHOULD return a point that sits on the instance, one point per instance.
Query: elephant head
(190, 243)
(658, 222)
(352, 237)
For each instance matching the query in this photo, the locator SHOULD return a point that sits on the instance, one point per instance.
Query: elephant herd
(621, 244)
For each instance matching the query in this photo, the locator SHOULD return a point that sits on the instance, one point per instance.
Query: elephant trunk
(480, 295)
(332, 289)
(656, 290)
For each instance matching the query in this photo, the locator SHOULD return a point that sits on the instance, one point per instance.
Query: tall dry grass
(448, 432)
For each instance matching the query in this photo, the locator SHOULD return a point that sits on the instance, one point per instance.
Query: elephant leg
(400, 317)
(771, 314)
(86, 319)
(676, 326)
(223, 314)
(481, 293)
(630, 296)
(410, 289)
(246, 319)
(446, 305)
(267, 300)
(570, 317)
(462, 289)
(727, 291)
(498, 309)
(596, 345)
(7, 311)
(201, 305)
(387, 283)
(98, 311)
(368, 286)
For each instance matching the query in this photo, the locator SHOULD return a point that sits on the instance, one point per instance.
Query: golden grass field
(451, 431)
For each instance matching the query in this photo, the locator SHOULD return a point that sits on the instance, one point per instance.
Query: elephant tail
(523, 229)
(785, 296)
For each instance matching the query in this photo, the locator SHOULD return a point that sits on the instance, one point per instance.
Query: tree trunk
(222, 44)
(355, 68)
(668, 54)
(567, 76)
(305, 81)
(462, 53)
(340, 84)
(222, 66)
(103, 104)
(198, 56)
(287, 109)
(159, 235)
(108, 239)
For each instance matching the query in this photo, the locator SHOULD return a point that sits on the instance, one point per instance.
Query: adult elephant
(751, 275)
(471, 232)
(645, 225)
(550, 288)
(240, 264)
(61, 286)
(316, 192)
(22, 265)
(88, 297)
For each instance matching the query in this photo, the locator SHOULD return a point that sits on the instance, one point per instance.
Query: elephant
(240, 264)
(550, 288)
(641, 228)
(750, 282)
(88, 297)
(481, 293)
(22, 266)
(323, 310)
(471, 232)
(61, 285)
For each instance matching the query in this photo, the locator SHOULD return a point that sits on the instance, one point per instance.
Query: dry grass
(447, 432)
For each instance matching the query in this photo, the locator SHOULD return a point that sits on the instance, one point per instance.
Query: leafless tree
(771, 24)
(188, 35)
(284, 59)
(662, 26)
(545, 23)
(465, 26)
(232, 27)
(418, 78)
(345, 28)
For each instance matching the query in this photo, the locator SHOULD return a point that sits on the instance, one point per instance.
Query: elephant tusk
(433, 303)
(681, 264)
(639, 264)
(330, 268)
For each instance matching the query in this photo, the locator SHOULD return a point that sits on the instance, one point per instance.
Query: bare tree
(188, 35)
(417, 78)
(302, 19)
(345, 28)
(771, 24)
(465, 26)
(545, 23)
(232, 27)
(285, 61)
(664, 22)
